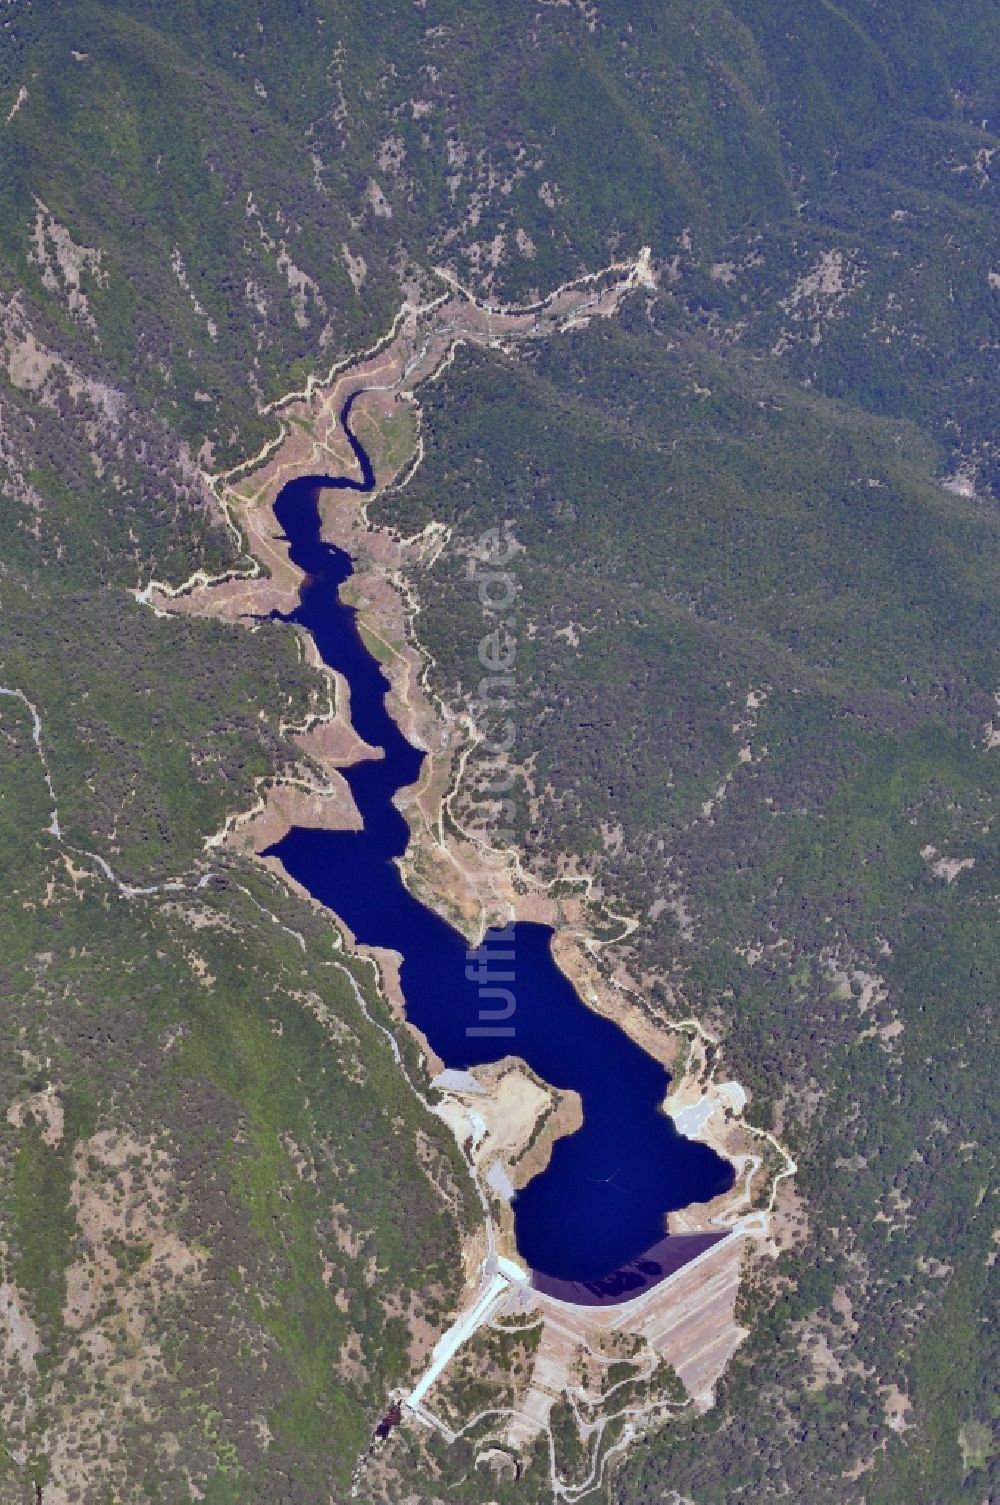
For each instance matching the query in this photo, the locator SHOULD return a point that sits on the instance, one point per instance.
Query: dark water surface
(603, 1197)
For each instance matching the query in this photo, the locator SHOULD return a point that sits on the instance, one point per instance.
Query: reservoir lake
(601, 1202)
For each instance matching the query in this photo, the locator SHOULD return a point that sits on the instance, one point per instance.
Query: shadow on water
(602, 1200)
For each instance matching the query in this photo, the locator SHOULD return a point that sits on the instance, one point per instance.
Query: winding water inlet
(603, 1198)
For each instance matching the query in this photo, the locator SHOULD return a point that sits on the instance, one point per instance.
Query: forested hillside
(754, 679)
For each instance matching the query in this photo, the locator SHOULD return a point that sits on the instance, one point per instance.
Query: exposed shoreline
(453, 874)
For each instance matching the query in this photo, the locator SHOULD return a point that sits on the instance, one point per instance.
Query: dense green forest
(223, 1208)
(709, 538)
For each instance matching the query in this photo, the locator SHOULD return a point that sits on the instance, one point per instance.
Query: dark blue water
(605, 1193)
